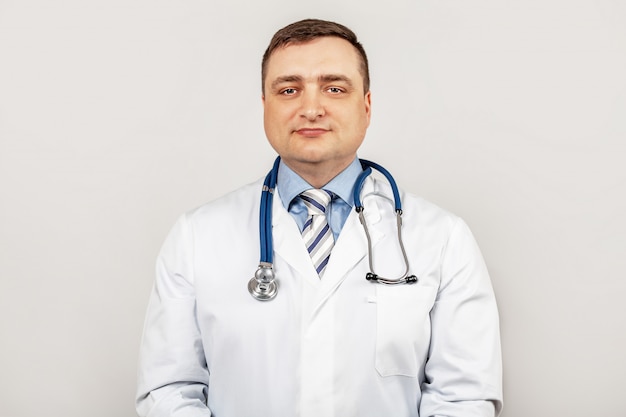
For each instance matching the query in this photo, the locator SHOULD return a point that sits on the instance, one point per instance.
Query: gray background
(117, 116)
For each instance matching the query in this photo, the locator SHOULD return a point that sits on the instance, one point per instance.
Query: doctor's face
(316, 112)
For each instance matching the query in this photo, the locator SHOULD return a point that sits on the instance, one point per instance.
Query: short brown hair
(308, 29)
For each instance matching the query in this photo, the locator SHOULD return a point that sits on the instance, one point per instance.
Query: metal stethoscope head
(264, 286)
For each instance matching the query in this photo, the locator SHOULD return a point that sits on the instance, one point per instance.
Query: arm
(173, 376)
(463, 371)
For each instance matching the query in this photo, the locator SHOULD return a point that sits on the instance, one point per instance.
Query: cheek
(276, 124)
(277, 114)
(357, 119)
(271, 118)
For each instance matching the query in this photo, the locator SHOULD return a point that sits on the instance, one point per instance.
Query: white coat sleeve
(173, 377)
(464, 368)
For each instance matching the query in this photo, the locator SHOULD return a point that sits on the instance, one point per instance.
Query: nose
(312, 106)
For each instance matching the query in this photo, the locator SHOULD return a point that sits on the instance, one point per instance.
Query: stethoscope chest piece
(263, 286)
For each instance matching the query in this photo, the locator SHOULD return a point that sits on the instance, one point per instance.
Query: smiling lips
(311, 132)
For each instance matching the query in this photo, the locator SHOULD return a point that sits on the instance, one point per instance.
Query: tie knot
(316, 200)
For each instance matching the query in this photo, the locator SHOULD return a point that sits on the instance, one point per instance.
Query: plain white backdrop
(118, 116)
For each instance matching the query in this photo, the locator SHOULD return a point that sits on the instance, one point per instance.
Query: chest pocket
(402, 328)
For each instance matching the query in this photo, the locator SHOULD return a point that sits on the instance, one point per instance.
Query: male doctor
(331, 343)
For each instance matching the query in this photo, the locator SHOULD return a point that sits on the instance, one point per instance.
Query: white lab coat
(336, 347)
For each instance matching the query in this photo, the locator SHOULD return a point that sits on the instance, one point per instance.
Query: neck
(319, 174)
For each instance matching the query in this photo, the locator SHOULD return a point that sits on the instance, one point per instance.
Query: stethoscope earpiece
(372, 277)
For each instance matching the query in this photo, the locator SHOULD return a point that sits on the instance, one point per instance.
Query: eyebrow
(329, 78)
(325, 78)
(286, 79)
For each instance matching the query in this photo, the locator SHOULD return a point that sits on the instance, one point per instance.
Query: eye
(334, 90)
(288, 91)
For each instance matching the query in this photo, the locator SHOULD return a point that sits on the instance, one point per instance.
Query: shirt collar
(290, 184)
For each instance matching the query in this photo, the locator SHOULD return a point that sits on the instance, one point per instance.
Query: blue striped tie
(316, 233)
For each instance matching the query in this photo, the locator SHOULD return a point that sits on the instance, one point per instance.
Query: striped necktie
(316, 233)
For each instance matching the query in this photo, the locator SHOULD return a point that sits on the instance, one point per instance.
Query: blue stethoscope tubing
(263, 286)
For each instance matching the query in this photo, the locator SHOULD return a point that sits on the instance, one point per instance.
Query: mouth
(311, 132)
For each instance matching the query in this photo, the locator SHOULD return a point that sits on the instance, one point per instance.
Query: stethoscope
(263, 286)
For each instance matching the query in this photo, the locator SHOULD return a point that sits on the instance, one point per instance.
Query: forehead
(325, 55)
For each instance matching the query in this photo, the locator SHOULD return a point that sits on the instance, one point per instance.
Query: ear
(368, 106)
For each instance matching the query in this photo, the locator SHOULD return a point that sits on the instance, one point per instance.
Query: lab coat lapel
(288, 243)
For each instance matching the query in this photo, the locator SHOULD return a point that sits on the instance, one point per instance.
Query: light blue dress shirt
(290, 185)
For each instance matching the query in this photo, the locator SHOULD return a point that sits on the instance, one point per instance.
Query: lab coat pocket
(402, 329)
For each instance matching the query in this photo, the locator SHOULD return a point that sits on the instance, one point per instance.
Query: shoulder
(235, 203)
(417, 208)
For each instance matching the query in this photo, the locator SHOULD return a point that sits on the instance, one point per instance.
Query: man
(331, 343)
